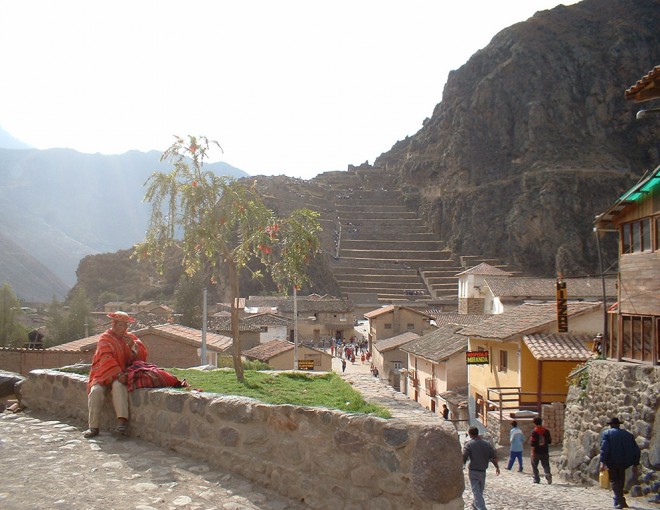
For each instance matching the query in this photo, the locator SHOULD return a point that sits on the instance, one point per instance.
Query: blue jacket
(618, 448)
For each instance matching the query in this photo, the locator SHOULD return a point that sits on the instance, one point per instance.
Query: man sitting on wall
(117, 349)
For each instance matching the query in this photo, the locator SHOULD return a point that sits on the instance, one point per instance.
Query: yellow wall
(553, 379)
(482, 377)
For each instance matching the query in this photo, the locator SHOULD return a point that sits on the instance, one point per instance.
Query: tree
(11, 332)
(222, 223)
(79, 317)
(66, 324)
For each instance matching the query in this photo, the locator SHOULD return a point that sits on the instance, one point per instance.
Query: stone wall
(626, 390)
(323, 457)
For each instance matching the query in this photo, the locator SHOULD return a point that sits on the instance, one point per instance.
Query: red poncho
(112, 357)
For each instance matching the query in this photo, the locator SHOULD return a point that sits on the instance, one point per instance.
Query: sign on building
(477, 357)
(305, 364)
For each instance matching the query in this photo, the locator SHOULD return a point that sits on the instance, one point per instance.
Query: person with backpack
(539, 441)
(618, 452)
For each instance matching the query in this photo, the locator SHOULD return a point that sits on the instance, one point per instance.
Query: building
(634, 323)
(485, 289)
(436, 367)
(519, 357)
(319, 318)
(390, 360)
(279, 355)
(392, 320)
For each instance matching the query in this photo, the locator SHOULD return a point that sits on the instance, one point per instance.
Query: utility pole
(203, 353)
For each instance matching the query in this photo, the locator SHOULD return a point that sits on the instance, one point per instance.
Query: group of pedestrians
(618, 451)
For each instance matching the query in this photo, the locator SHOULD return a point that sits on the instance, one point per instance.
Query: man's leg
(478, 484)
(617, 480)
(94, 406)
(120, 399)
(545, 462)
(535, 469)
(512, 457)
(520, 461)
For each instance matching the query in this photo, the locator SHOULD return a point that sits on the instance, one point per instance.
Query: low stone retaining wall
(324, 458)
(626, 390)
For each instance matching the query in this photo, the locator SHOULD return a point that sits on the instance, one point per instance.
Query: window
(636, 236)
(504, 360)
(398, 365)
(388, 325)
(638, 337)
(410, 326)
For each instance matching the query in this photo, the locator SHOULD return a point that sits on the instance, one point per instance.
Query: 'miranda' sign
(476, 357)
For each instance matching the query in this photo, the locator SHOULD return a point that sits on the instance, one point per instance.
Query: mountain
(533, 137)
(60, 205)
(28, 277)
(9, 142)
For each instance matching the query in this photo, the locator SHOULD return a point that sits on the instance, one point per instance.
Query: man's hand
(122, 378)
(497, 470)
(603, 467)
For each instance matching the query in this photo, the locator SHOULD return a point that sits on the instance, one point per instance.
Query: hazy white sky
(293, 87)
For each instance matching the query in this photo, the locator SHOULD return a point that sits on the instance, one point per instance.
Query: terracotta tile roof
(484, 269)
(544, 288)
(188, 335)
(442, 318)
(559, 346)
(390, 308)
(265, 352)
(647, 87)
(267, 319)
(251, 322)
(83, 344)
(524, 319)
(177, 332)
(393, 342)
(439, 344)
(305, 304)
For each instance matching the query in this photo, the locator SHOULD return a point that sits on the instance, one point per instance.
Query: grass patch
(326, 390)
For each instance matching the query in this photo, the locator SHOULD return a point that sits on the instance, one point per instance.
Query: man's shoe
(122, 426)
(520, 470)
(90, 433)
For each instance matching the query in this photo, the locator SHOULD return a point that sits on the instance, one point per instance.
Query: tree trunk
(235, 329)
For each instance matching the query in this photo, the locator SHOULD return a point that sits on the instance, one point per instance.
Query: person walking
(516, 440)
(618, 452)
(480, 453)
(539, 441)
(343, 365)
(116, 350)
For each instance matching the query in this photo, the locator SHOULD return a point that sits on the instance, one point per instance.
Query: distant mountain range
(59, 205)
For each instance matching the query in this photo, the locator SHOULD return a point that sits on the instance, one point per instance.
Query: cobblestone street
(48, 465)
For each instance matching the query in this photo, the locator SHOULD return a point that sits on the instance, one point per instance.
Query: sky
(293, 87)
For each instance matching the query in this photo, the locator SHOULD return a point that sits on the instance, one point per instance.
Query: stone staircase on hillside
(383, 253)
(381, 247)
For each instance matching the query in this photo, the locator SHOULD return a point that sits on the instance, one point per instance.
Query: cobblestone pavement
(509, 491)
(48, 465)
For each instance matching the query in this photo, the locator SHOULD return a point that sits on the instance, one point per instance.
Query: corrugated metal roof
(559, 346)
